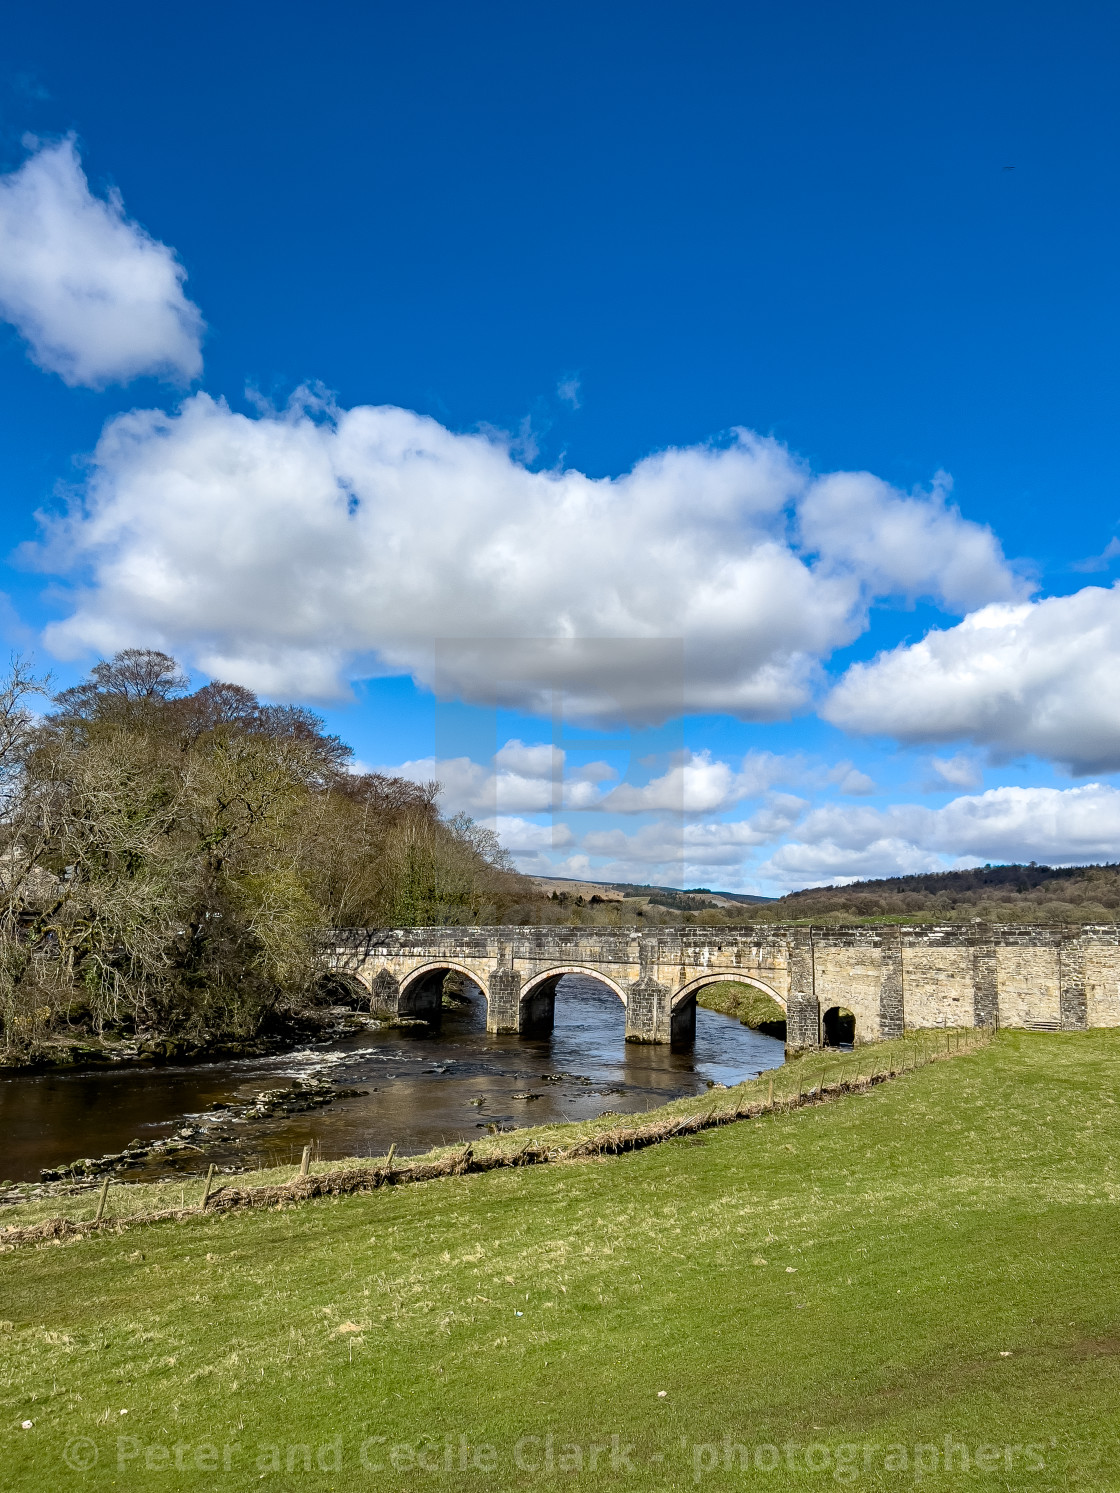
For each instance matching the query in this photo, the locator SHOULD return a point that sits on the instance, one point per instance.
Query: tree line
(170, 856)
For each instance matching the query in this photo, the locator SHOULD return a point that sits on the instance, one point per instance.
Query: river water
(425, 1087)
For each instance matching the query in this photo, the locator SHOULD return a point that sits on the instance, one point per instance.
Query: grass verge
(847, 1293)
(138, 1202)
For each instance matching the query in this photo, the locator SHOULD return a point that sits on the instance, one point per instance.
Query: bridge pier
(803, 1011)
(649, 1016)
(503, 1004)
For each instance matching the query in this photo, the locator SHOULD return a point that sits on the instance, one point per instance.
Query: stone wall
(1046, 977)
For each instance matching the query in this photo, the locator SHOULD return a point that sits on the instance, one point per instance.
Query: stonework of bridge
(1040, 976)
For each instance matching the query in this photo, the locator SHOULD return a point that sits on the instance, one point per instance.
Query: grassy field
(847, 1295)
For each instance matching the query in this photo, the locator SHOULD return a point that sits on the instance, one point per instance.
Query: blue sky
(567, 324)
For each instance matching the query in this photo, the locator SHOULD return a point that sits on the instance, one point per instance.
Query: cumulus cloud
(701, 785)
(536, 778)
(521, 780)
(98, 300)
(1052, 825)
(850, 780)
(698, 845)
(833, 842)
(287, 549)
(678, 853)
(909, 546)
(524, 837)
(1039, 677)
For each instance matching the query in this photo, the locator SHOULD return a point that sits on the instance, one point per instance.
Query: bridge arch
(718, 977)
(421, 989)
(558, 971)
(682, 1007)
(538, 994)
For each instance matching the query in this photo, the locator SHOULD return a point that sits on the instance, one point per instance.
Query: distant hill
(615, 891)
(1013, 893)
(998, 894)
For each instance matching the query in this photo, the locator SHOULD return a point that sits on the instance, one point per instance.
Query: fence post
(101, 1199)
(305, 1161)
(209, 1183)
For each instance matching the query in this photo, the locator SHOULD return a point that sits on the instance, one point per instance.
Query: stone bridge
(1041, 976)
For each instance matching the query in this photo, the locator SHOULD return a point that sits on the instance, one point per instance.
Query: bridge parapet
(1043, 976)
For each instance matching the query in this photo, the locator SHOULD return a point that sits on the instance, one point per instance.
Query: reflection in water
(425, 1087)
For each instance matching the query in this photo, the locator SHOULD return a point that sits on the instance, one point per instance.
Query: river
(425, 1087)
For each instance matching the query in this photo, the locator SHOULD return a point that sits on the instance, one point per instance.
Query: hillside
(1005, 894)
(691, 899)
(998, 894)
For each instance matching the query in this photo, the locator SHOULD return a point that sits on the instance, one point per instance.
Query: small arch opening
(839, 1027)
(337, 988)
(426, 994)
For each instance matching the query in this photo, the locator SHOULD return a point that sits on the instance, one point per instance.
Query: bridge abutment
(803, 1012)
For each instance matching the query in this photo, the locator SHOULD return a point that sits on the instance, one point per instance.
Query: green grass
(846, 1276)
(129, 1201)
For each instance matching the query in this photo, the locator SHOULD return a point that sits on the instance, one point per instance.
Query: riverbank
(852, 1291)
(62, 1053)
(412, 1086)
(815, 1078)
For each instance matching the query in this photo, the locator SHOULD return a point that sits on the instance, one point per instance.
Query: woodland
(170, 858)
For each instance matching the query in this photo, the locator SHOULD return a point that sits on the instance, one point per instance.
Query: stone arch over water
(684, 1001)
(538, 995)
(420, 992)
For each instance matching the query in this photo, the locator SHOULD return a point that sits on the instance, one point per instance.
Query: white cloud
(906, 546)
(1051, 825)
(1102, 561)
(98, 300)
(1038, 677)
(520, 781)
(699, 785)
(524, 779)
(524, 837)
(539, 760)
(960, 771)
(850, 780)
(836, 843)
(287, 550)
(713, 844)
(799, 865)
